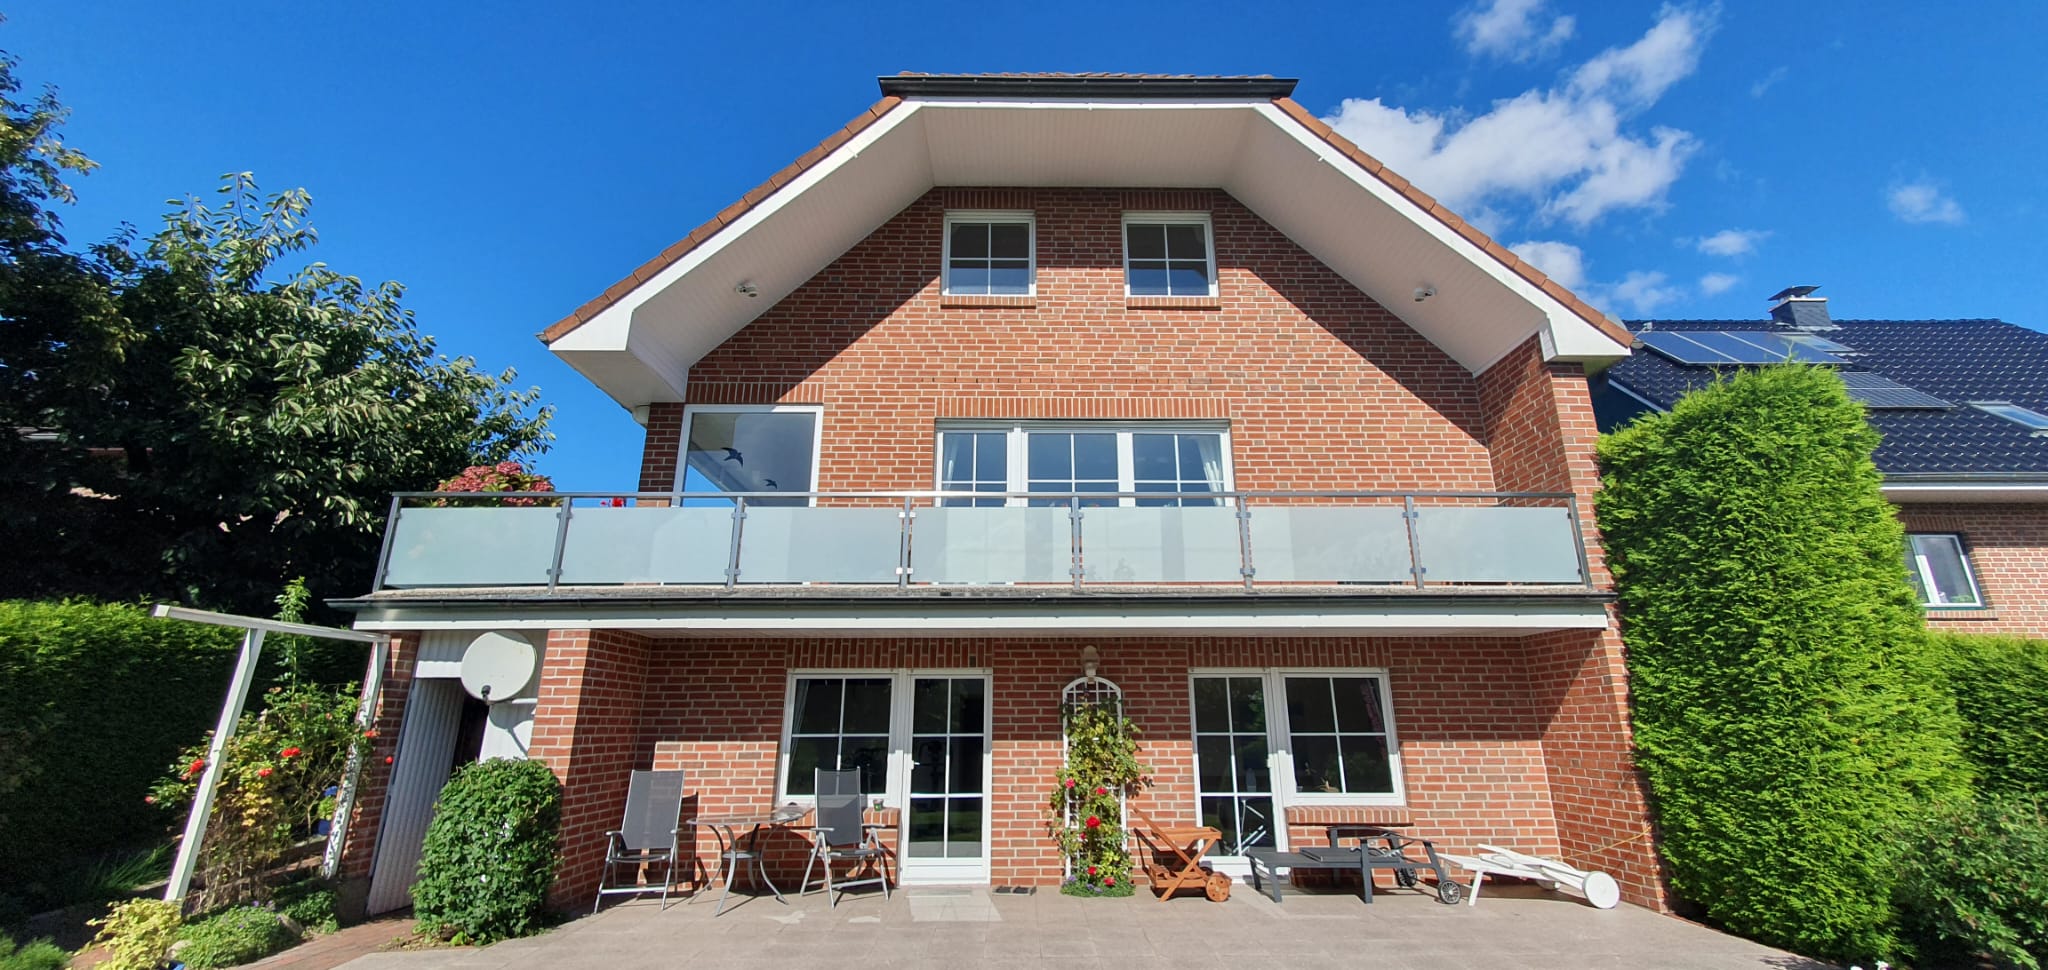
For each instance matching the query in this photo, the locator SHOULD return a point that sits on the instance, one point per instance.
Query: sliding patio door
(945, 805)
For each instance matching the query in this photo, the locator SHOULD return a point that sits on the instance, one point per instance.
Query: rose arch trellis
(1086, 694)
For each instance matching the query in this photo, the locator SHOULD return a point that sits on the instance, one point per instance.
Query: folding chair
(648, 835)
(842, 836)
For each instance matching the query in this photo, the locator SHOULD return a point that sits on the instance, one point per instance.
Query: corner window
(1168, 254)
(758, 450)
(1940, 571)
(990, 254)
(1179, 463)
(2032, 420)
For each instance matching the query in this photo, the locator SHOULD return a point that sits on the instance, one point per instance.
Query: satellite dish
(498, 665)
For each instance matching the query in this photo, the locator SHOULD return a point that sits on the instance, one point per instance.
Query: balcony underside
(888, 610)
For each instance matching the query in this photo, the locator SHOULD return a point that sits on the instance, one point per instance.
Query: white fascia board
(1987, 493)
(1571, 337)
(612, 327)
(1136, 624)
(1114, 105)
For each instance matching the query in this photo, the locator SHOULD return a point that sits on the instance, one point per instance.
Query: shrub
(310, 904)
(1999, 684)
(1786, 715)
(505, 476)
(232, 937)
(137, 934)
(1975, 884)
(1085, 808)
(36, 955)
(490, 852)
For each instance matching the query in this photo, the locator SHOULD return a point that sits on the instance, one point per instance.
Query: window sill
(1961, 613)
(989, 302)
(1351, 814)
(1173, 303)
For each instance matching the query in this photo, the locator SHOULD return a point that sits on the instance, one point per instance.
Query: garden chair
(841, 835)
(649, 835)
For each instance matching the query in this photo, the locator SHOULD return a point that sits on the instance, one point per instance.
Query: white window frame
(690, 412)
(1168, 219)
(1926, 573)
(2028, 418)
(1030, 222)
(1280, 746)
(1018, 432)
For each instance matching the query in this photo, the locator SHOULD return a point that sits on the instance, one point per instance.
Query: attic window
(990, 254)
(1168, 254)
(2034, 420)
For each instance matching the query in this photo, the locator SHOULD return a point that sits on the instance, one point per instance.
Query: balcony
(1442, 542)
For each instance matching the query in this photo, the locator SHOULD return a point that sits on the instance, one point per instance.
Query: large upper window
(990, 254)
(750, 449)
(1179, 463)
(1940, 570)
(1168, 254)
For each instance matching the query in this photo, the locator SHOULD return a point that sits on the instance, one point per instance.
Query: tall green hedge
(1785, 711)
(2001, 685)
(98, 701)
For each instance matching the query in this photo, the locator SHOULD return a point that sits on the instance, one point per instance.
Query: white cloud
(1512, 30)
(1732, 242)
(1639, 293)
(1561, 261)
(1923, 201)
(1766, 82)
(1714, 284)
(1562, 149)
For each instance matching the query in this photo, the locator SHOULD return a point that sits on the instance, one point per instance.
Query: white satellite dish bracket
(499, 665)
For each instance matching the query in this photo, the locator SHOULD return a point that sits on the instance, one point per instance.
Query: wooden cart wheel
(1218, 887)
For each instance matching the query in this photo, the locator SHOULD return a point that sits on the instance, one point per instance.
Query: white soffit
(640, 349)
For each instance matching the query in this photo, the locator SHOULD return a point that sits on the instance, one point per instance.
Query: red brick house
(1019, 375)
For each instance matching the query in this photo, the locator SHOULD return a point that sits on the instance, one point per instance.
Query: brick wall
(585, 728)
(2008, 549)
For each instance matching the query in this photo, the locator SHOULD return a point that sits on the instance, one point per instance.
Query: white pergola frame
(253, 630)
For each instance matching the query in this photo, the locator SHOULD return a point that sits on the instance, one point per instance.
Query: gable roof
(1959, 361)
(1570, 327)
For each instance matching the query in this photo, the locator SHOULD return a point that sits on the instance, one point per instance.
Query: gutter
(1082, 86)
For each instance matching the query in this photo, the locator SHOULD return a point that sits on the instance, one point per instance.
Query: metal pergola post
(253, 630)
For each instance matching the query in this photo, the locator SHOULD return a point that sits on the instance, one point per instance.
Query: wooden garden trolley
(1173, 858)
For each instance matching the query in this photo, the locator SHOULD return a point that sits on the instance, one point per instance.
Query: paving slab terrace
(1512, 927)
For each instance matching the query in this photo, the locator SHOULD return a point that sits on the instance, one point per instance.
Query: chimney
(1798, 307)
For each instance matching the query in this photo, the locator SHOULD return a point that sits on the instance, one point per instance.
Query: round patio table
(731, 856)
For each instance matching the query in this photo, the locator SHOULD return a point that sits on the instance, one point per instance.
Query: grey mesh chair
(841, 837)
(648, 835)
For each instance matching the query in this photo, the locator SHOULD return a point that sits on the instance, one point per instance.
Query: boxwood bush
(490, 852)
(2000, 684)
(1787, 716)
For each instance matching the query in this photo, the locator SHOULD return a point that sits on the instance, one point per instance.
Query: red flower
(1099, 790)
(1094, 822)
(371, 733)
(1111, 881)
(387, 759)
(262, 772)
(1091, 870)
(288, 753)
(196, 766)
(1070, 783)
(149, 799)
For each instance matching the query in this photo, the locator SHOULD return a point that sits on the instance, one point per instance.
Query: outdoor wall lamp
(1089, 658)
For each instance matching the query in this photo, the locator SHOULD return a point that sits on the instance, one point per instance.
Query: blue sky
(508, 161)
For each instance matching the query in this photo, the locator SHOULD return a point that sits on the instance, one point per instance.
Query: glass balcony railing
(928, 538)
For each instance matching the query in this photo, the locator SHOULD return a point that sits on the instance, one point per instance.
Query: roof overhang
(1972, 490)
(638, 341)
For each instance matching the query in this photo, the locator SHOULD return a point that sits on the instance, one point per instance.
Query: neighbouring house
(1963, 409)
(1027, 385)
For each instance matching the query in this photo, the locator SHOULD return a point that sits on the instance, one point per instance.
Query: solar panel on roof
(1879, 391)
(1816, 341)
(1677, 347)
(1720, 348)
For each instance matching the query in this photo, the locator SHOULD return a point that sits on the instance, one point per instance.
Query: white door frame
(927, 872)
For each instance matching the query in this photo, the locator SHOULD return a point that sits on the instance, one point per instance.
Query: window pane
(956, 459)
(1152, 457)
(1366, 766)
(969, 698)
(1247, 704)
(1253, 772)
(742, 451)
(1212, 763)
(806, 756)
(1944, 556)
(927, 827)
(1005, 277)
(1187, 242)
(964, 773)
(1010, 240)
(817, 706)
(1152, 503)
(1212, 704)
(928, 772)
(1913, 575)
(1100, 501)
(1050, 457)
(967, 278)
(1145, 242)
(1315, 765)
(1308, 705)
(1201, 457)
(928, 706)
(991, 456)
(871, 756)
(970, 239)
(1358, 705)
(963, 828)
(867, 706)
(1221, 814)
(1188, 279)
(1094, 457)
(1148, 279)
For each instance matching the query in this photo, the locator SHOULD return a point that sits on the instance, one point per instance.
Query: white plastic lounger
(1598, 888)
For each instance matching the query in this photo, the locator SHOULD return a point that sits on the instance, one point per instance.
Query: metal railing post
(1076, 567)
(1579, 540)
(561, 542)
(903, 550)
(1244, 542)
(384, 552)
(1409, 515)
(732, 554)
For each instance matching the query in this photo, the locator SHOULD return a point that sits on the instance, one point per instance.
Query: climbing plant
(1085, 808)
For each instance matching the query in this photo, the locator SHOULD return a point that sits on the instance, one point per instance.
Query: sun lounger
(1598, 888)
